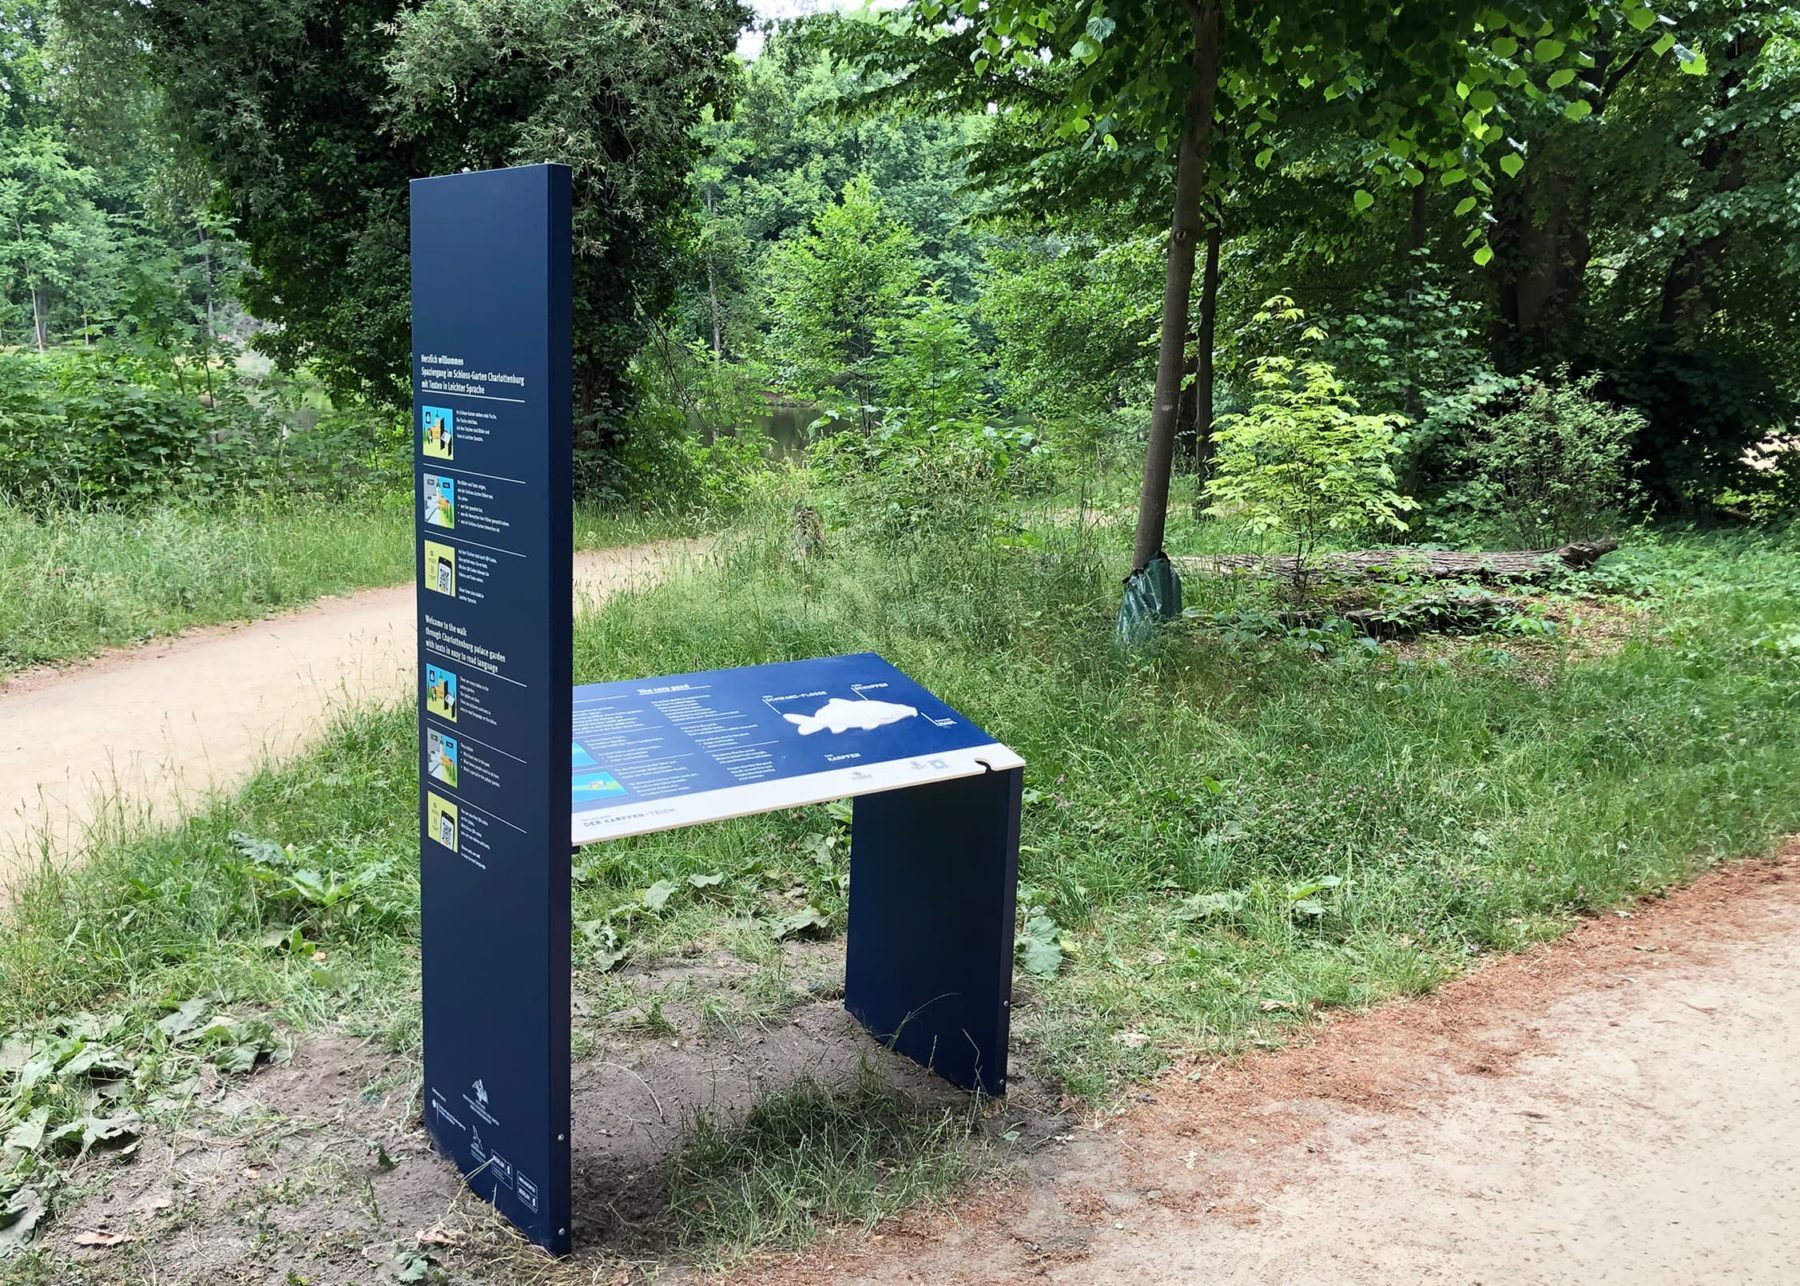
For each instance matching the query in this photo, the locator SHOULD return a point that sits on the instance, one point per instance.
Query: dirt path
(135, 733)
(1621, 1107)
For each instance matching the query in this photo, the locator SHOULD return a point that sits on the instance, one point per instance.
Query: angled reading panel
(655, 754)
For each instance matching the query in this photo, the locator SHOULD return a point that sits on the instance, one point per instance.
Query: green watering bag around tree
(1152, 596)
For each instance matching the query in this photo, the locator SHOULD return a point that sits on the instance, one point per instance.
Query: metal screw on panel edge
(562, 1138)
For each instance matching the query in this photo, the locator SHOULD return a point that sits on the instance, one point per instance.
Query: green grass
(1226, 833)
(72, 583)
(78, 582)
(813, 1157)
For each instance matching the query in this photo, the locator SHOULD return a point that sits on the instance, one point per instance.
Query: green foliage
(786, 151)
(313, 116)
(614, 91)
(1771, 491)
(90, 429)
(1546, 463)
(1423, 83)
(106, 428)
(1038, 945)
(1073, 320)
(307, 896)
(683, 455)
(1420, 87)
(906, 435)
(1406, 344)
(104, 231)
(904, 475)
(52, 236)
(1687, 196)
(1303, 460)
(836, 294)
(75, 1085)
(932, 374)
(1706, 405)
(1446, 133)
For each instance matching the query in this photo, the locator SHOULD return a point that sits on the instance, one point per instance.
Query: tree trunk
(1686, 291)
(1205, 376)
(40, 316)
(712, 288)
(207, 267)
(1187, 411)
(1178, 285)
(1193, 422)
(1542, 247)
(1542, 250)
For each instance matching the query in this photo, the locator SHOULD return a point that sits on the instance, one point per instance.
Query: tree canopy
(1427, 90)
(312, 115)
(1025, 217)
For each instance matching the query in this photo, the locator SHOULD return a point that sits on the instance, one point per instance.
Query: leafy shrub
(726, 471)
(1396, 346)
(1431, 448)
(695, 444)
(1543, 465)
(83, 430)
(1303, 460)
(102, 428)
(1071, 319)
(901, 476)
(346, 448)
(930, 369)
(1706, 405)
(932, 454)
(835, 293)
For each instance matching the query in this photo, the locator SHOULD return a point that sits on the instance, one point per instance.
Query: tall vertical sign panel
(491, 421)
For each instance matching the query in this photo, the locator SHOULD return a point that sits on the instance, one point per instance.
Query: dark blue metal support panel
(933, 871)
(491, 419)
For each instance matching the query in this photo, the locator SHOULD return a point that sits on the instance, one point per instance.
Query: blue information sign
(935, 830)
(934, 840)
(652, 754)
(491, 418)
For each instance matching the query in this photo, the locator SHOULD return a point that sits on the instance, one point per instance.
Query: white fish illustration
(840, 715)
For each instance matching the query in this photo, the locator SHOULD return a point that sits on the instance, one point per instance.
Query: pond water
(785, 429)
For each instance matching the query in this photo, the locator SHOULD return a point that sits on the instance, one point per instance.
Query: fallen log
(1460, 611)
(1412, 564)
(1454, 613)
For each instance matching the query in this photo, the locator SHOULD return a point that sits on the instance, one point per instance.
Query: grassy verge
(76, 582)
(1219, 837)
(79, 582)
(814, 1157)
(1231, 832)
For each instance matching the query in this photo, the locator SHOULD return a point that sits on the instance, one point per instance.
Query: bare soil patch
(321, 1168)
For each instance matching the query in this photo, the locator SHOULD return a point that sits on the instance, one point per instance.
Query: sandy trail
(140, 733)
(1623, 1106)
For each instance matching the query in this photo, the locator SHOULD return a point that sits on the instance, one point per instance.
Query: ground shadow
(320, 1167)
